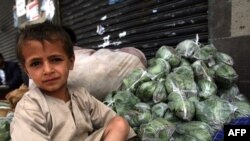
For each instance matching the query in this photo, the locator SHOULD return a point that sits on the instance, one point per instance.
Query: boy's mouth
(50, 80)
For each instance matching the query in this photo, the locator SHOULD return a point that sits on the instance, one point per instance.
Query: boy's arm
(102, 114)
(28, 124)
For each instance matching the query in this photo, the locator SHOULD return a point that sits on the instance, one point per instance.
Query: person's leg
(116, 130)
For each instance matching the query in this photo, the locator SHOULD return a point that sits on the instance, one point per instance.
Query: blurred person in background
(11, 74)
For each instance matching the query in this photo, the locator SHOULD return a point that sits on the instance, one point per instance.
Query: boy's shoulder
(78, 91)
(33, 99)
(81, 93)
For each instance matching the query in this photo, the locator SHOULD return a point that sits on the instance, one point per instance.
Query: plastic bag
(4, 129)
(187, 48)
(193, 131)
(169, 54)
(215, 112)
(225, 75)
(181, 106)
(157, 130)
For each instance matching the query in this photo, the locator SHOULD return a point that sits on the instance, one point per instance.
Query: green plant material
(160, 93)
(136, 118)
(132, 117)
(221, 57)
(142, 107)
(144, 112)
(206, 53)
(151, 61)
(146, 90)
(232, 94)
(214, 111)
(159, 69)
(135, 78)
(201, 71)
(194, 99)
(181, 82)
(177, 137)
(109, 101)
(225, 75)
(124, 101)
(170, 116)
(169, 54)
(180, 106)
(211, 73)
(173, 83)
(187, 75)
(156, 130)
(4, 129)
(185, 71)
(191, 88)
(187, 48)
(184, 62)
(197, 130)
(243, 109)
(159, 109)
(144, 117)
(207, 88)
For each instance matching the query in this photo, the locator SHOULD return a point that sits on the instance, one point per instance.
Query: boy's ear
(25, 70)
(72, 61)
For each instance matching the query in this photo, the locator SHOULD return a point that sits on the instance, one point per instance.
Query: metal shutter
(7, 30)
(148, 24)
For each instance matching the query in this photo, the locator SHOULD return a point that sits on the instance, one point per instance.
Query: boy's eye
(35, 64)
(56, 60)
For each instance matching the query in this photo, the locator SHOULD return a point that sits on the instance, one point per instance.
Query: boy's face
(48, 65)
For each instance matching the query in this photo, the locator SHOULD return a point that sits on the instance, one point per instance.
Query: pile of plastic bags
(187, 92)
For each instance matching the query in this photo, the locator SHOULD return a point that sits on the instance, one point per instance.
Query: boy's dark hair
(41, 32)
(71, 33)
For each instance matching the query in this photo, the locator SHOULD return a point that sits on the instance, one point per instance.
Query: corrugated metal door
(144, 24)
(7, 30)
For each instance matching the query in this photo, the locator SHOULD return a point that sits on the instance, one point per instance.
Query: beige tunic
(39, 117)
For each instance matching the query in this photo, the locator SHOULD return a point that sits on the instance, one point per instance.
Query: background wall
(146, 25)
(7, 30)
(229, 30)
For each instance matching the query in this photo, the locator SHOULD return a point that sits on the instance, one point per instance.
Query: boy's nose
(47, 68)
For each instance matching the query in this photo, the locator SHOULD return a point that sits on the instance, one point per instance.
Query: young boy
(54, 111)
